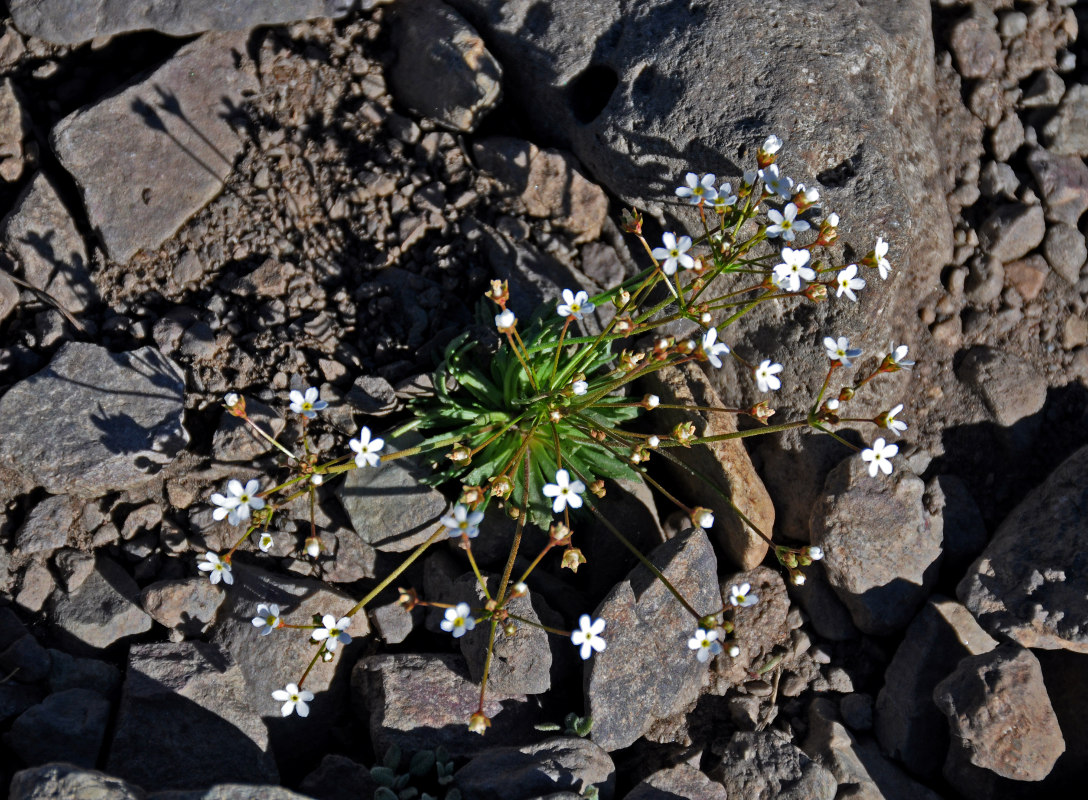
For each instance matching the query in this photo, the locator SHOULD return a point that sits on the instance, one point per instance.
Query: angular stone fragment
(764, 765)
(67, 726)
(102, 610)
(187, 719)
(556, 764)
(1000, 719)
(169, 135)
(77, 21)
(187, 605)
(1010, 387)
(1012, 231)
(682, 782)
(235, 440)
(56, 781)
(47, 526)
(1063, 184)
(647, 672)
(977, 47)
(14, 128)
(113, 420)
(882, 547)
(1066, 134)
(1031, 583)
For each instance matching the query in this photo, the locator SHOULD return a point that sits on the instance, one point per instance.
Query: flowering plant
(530, 419)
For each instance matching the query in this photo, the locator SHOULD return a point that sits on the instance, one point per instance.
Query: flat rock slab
(76, 21)
(55, 781)
(187, 719)
(761, 764)
(102, 610)
(93, 421)
(534, 770)
(67, 726)
(1031, 583)
(169, 136)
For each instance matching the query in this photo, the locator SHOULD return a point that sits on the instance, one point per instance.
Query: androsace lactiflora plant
(531, 424)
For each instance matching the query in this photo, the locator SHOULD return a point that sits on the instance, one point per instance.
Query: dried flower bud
(761, 411)
(846, 394)
(596, 488)
(816, 292)
(478, 723)
(573, 558)
(501, 486)
(519, 589)
(510, 628)
(471, 495)
(625, 325)
(623, 297)
(631, 220)
(459, 455)
(559, 532)
(407, 598)
(500, 293)
(684, 432)
(650, 402)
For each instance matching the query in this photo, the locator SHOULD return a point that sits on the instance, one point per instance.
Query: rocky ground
(197, 200)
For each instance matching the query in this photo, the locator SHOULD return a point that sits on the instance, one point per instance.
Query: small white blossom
(265, 541)
(810, 196)
(734, 651)
(771, 145)
(879, 457)
(832, 404)
(767, 376)
(840, 350)
(893, 424)
(703, 519)
(333, 632)
(217, 570)
(898, 356)
(367, 449)
(317, 479)
(832, 220)
(574, 305)
(786, 223)
(313, 546)
(697, 189)
(673, 252)
(705, 644)
(814, 552)
(579, 388)
(652, 401)
(588, 636)
(235, 505)
(742, 596)
(231, 399)
(793, 269)
(307, 404)
(776, 182)
(712, 348)
(848, 282)
(462, 522)
(797, 578)
(294, 700)
(565, 491)
(653, 441)
(267, 619)
(458, 620)
(749, 177)
(882, 263)
(725, 199)
(505, 321)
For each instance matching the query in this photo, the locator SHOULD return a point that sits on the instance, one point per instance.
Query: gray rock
(1012, 231)
(14, 129)
(1066, 134)
(1027, 585)
(232, 791)
(882, 547)
(525, 773)
(860, 766)
(1065, 251)
(36, 585)
(682, 782)
(985, 281)
(74, 567)
(372, 395)
(393, 622)
(390, 508)
(67, 726)
(422, 701)
(56, 781)
(998, 179)
(647, 673)
(765, 765)
(25, 660)
(338, 778)
(41, 233)
(442, 69)
(70, 672)
(74, 21)
(1063, 184)
(235, 440)
(1000, 720)
(908, 725)
(726, 465)
(9, 296)
(965, 534)
(1007, 137)
(169, 135)
(191, 703)
(15, 698)
(977, 47)
(1045, 91)
(114, 419)
(1009, 386)
(186, 605)
(101, 611)
(857, 711)
(47, 526)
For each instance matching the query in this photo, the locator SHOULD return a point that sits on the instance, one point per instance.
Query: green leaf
(408, 794)
(384, 793)
(383, 775)
(392, 757)
(401, 781)
(421, 763)
(453, 794)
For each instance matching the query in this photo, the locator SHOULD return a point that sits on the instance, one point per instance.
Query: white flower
(771, 145)
(734, 651)
(265, 542)
(333, 632)
(891, 423)
(366, 448)
(847, 282)
(789, 274)
(797, 578)
(696, 189)
(749, 177)
(786, 224)
(588, 637)
(832, 220)
(810, 196)
(505, 321)
(841, 350)
(574, 305)
(231, 399)
(879, 252)
(879, 457)
(458, 620)
(652, 401)
(674, 252)
(317, 479)
(815, 552)
(217, 570)
(307, 404)
(703, 519)
(462, 522)
(565, 492)
(742, 595)
(898, 356)
(705, 644)
(579, 387)
(294, 700)
(766, 376)
(832, 404)
(777, 183)
(267, 619)
(238, 501)
(313, 546)
(712, 348)
(725, 199)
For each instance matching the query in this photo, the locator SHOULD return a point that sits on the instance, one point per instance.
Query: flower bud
(734, 651)
(631, 220)
(519, 589)
(459, 455)
(768, 151)
(471, 495)
(815, 552)
(797, 577)
(236, 404)
(317, 479)
(407, 598)
(559, 532)
(506, 321)
(650, 402)
(510, 628)
(313, 547)
(702, 518)
(573, 558)
(705, 318)
(596, 488)
(816, 292)
(653, 441)
(761, 412)
(478, 723)
(500, 292)
(501, 486)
